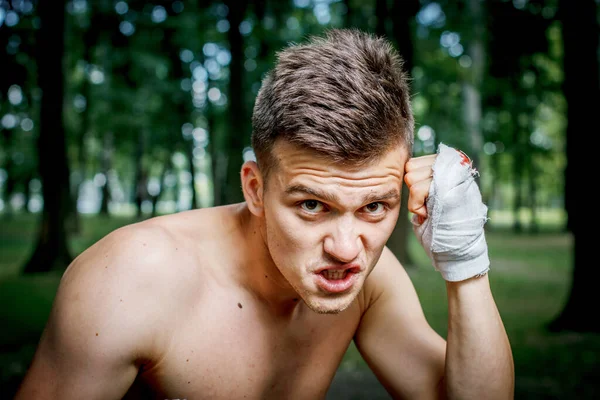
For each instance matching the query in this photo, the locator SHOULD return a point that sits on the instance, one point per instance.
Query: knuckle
(414, 192)
(408, 179)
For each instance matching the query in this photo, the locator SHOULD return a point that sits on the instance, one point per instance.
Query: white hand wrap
(453, 234)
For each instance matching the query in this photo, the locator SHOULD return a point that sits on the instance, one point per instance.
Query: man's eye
(374, 208)
(312, 206)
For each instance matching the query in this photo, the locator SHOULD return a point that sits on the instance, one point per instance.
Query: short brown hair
(344, 95)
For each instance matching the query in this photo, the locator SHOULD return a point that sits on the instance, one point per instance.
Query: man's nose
(344, 242)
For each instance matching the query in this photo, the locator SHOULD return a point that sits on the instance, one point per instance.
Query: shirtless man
(260, 300)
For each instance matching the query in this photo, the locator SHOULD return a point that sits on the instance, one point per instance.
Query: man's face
(327, 224)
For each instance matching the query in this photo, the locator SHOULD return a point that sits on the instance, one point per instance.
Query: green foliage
(138, 72)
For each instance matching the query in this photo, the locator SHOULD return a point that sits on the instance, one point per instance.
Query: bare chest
(234, 350)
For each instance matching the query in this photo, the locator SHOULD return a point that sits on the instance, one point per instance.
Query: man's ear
(252, 186)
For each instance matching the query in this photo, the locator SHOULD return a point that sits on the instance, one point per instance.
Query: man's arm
(477, 360)
(449, 223)
(100, 326)
(394, 337)
(412, 361)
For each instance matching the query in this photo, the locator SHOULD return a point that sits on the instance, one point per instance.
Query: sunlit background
(116, 111)
(148, 110)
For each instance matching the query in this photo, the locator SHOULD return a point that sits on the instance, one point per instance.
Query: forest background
(117, 111)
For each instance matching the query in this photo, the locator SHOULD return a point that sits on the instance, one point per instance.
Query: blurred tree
(51, 250)
(476, 14)
(138, 76)
(237, 132)
(516, 86)
(581, 68)
(81, 45)
(174, 48)
(17, 44)
(402, 20)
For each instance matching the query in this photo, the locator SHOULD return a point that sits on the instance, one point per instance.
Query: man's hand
(418, 176)
(448, 212)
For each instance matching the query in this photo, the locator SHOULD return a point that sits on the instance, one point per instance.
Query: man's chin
(329, 306)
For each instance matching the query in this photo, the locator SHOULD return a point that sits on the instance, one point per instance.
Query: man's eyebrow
(374, 197)
(294, 189)
(370, 198)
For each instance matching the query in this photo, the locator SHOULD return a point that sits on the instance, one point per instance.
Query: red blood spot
(465, 158)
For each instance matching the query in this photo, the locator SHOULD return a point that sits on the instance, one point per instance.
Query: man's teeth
(334, 274)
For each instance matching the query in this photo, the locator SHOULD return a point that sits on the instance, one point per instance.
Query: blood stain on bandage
(465, 158)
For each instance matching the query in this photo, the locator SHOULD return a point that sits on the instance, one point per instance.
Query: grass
(530, 278)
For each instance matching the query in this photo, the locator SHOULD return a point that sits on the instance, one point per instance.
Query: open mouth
(336, 274)
(337, 280)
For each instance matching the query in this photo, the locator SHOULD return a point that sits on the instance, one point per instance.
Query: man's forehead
(301, 174)
(293, 159)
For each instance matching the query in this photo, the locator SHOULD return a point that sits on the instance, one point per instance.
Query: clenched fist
(449, 215)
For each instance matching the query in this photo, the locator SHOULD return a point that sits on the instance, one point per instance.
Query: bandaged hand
(448, 213)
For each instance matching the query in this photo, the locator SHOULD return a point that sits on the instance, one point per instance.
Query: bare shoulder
(134, 252)
(149, 249)
(152, 259)
(108, 318)
(121, 281)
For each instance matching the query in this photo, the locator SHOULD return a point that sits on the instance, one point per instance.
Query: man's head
(344, 96)
(333, 128)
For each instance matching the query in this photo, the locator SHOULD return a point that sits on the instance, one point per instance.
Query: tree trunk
(473, 83)
(9, 167)
(490, 198)
(106, 163)
(581, 70)
(192, 166)
(381, 12)
(349, 19)
(402, 15)
(216, 166)
(518, 167)
(140, 178)
(162, 179)
(90, 41)
(532, 175)
(52, 250)
(237, 133)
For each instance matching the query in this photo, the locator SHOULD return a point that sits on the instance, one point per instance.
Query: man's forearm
(479, 362)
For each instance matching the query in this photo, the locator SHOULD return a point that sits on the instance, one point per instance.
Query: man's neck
(258, 272)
